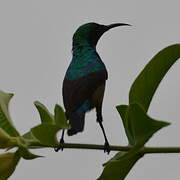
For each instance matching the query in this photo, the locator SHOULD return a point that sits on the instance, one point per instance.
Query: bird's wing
(75, 92)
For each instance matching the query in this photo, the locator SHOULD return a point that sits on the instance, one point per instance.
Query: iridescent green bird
(85, 79)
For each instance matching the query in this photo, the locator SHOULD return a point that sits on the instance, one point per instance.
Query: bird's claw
(60, 146)
(106, 147)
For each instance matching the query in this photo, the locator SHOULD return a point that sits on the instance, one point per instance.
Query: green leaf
(140, 127)
(46, 133)
(32, 142)
(123, 111)
(45, 115)
(8, 163)
(60, 117)
(119, 166)
(26, 154)
(143, 126)
(6, 141)
(29, 137)
(146, 83)
(23, 150)
(5, 119)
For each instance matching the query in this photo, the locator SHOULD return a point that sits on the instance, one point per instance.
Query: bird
(85, 79)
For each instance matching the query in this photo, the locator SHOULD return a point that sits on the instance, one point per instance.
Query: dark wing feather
(75, 92)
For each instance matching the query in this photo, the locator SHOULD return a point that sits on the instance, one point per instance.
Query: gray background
(35, 50)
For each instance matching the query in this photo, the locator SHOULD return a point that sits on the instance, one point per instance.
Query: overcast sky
(35, 50)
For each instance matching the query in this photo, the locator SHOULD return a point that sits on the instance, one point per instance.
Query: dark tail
(76, 121)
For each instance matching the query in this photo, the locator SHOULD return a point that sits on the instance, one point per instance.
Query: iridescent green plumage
(85, 61)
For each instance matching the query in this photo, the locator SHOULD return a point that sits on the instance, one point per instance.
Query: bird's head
(91, 32)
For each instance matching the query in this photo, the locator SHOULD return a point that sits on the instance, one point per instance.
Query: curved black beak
(104, 28)
(116, 25)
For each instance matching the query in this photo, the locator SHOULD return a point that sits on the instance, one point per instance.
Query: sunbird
(85, 79)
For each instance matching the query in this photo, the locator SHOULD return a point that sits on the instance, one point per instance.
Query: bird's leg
(99, 120)
(61, 142)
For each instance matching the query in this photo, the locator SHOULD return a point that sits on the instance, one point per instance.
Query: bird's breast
(83, 65)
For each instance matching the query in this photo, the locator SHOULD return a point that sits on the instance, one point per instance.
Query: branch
(144, 150)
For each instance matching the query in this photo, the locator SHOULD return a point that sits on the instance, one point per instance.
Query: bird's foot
(106, 147)
(60, 146)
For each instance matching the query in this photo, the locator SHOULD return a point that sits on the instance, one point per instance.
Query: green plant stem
(144, 150)
(152, 150)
